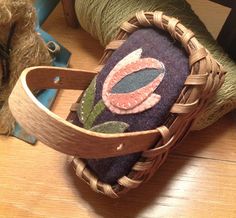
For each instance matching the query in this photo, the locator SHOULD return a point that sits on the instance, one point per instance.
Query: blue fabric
(44, 9)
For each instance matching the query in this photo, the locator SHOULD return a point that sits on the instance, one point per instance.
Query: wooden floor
(197, 180)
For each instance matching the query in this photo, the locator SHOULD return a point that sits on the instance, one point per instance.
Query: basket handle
(60, 134)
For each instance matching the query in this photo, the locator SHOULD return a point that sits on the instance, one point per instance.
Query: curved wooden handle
(59, 134)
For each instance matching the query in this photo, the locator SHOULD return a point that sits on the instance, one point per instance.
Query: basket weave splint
(205, 77)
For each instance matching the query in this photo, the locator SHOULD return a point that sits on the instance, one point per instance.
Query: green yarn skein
(103, 18)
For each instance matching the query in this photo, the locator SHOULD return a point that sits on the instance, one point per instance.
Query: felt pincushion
(136, 90)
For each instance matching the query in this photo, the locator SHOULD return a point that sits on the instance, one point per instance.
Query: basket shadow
(202, 143)
(134, 202)
(161, 186)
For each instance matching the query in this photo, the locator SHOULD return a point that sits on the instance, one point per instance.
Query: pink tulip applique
(129, 99)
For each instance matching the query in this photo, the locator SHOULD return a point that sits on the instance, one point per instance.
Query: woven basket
(205, 77)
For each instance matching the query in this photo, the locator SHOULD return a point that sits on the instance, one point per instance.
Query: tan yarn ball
(27, 49)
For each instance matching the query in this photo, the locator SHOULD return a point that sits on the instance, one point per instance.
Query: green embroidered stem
(87, 102)
(97, 110)
(111, 127)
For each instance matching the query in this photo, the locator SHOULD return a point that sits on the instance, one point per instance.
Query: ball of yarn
(27, 49)
(103, 18)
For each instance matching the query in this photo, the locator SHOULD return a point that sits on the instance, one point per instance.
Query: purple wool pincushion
(134, 92)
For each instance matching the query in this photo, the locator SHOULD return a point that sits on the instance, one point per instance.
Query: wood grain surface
(212, 14)
(197, 180)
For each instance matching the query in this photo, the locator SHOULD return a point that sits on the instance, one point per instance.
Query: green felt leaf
(97, 110)
(111, 127)
(86, 102)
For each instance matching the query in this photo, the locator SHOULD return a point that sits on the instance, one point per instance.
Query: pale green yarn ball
(102, 18)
